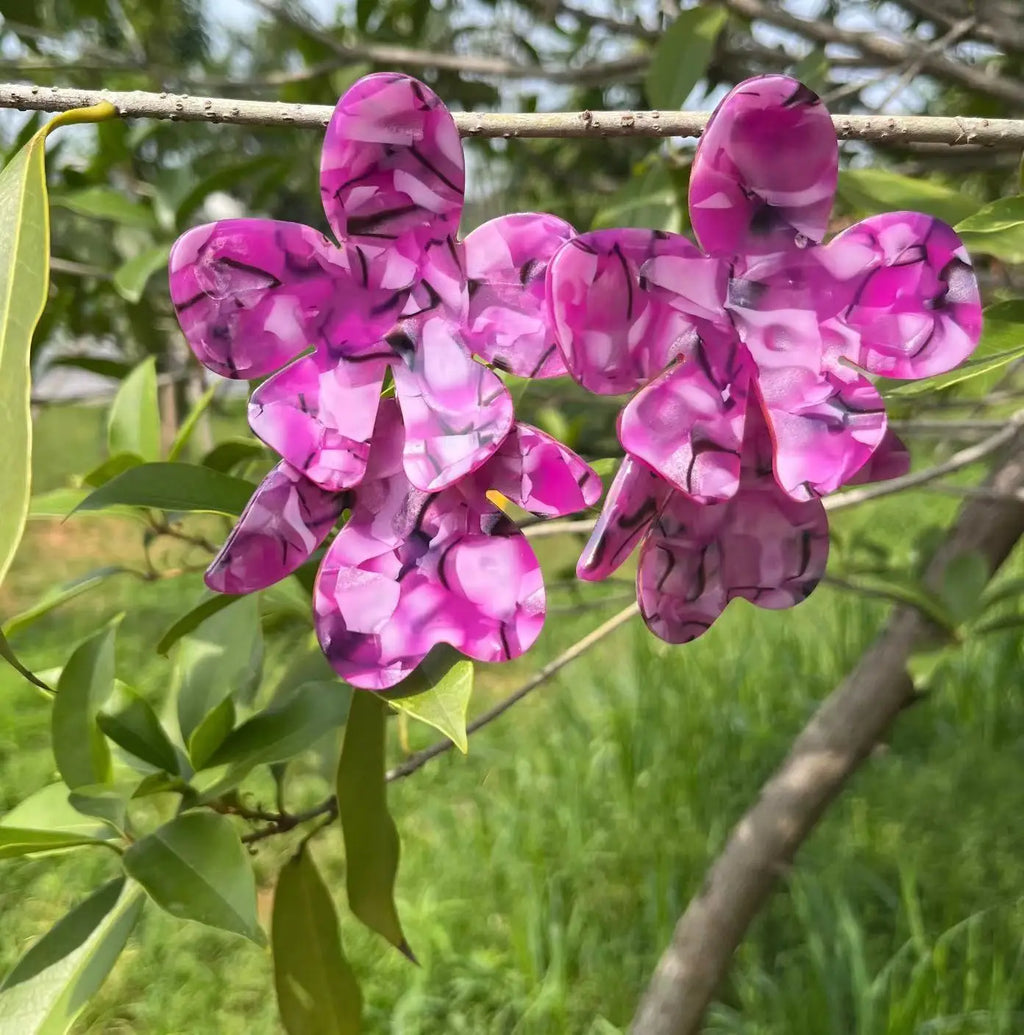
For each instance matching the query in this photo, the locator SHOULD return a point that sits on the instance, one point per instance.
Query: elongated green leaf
(130, 722)
(226, 455)
(196, 868)
(107, 802)
(106, 203)
(24, 281)
(186, 430)
(222, 657)
(905, 591)
(62, 503)
(963, 582)
(813, 70)
(441, 698)
(15, 841)
(87, 680)
(111, 468)
(683, 54)
(179, 487)
(130, 277)
(193, 619)
(134, 422)
(211, 731)
(115, 368)
(649, 200)
(54, 980)
(317, 993)
(1004, 589)
(275, 735)
(7, 653)
(878, 190)
(58, 595)
(49, 809)
(997, 230)
(371, 840)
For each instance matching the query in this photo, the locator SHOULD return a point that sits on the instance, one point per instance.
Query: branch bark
(890, 129)
(824, 756)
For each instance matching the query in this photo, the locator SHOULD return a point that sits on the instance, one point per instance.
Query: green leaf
(111, 468)
(104, 802)
(226, 455)
(115, 368)
(186, 430)
(87, 680)
(7, 653)
(607, 467)
(878, 190)
(24, 281)
(133, 425)
(195, 868)
(177, 487)
(17, 841)
(50, 984)
(317, 992)
(130, 277)
(996, 230)
(130, 722)
(222, 657)
(275, 735)
(904, 590)
(371, 840)
(105, 203)
(440, 696)
(813, 70)
(193, 619)
(649, 200)
(49, 809)
(58, 595)
(61, 503)
(1005, 589)
(211, 731)
(963, 582)
(923, 666)
(682, 55)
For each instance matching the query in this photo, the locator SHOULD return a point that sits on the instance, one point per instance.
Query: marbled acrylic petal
(633, 501)
(410, 570)
(539, 474)
(761, 545)
(890, 460)
(287, 518)
(765, 170)
(392, 165)
(688, 424)
(616, 326)
(509, 322)
(825, 425)
(456, 411)
(250, 293)
(319, 415)
(913, 301)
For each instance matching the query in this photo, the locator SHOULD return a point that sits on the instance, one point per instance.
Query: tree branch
(888, 50)
(826, 753)
(889, 129)
(580, 647)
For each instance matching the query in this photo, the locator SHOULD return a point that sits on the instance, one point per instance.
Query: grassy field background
(542, 874)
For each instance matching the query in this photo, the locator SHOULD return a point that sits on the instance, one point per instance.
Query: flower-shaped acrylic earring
(411, 569)
(398, 290)
(765, 325)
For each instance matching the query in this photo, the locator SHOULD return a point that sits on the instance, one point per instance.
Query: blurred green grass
(542, 875)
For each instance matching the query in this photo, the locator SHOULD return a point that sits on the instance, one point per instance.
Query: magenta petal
(914, 306)
(625, 303)
(456, 411)
(761, 545)
(633, 501)
(539, 474)
(825, 425)
(890, 460)
(410, 570)
(392, 164)
(508, 322)
(688, 424)
(765, 170)
(287, 518)
(251, 294)
(319, 416)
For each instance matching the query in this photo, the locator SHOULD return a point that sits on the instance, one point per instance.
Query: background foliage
(540, 876)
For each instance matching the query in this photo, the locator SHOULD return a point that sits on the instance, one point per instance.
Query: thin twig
(580, 647)
(1007, 133)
